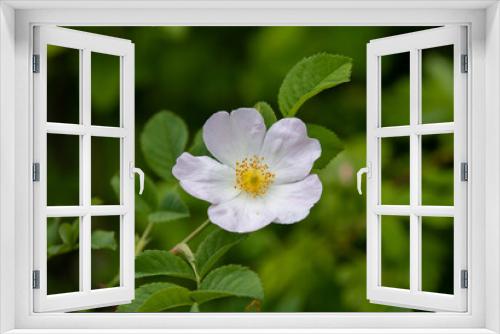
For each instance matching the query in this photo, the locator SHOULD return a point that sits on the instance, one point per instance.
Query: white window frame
(16, 21)
(86, 44)
(415, 210)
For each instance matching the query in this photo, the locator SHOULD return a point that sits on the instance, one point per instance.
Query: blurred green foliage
(319, 264)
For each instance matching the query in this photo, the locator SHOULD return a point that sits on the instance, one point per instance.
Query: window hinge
(464, 279)
(36, 172)
(36, 279)
(464, 171)
(465, 64)
(36, 63)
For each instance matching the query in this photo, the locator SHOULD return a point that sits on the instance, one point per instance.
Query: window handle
(138, 171)
(359, 175)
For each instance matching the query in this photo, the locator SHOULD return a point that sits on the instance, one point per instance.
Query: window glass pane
(395, 164)
(63, 87)
(62, 255)
(437, 169)
(105, 89)
(63, 177)
(105, 251)
(437, 254)
(105, 170)
(395, 89)
(437, 84)
(395, 251)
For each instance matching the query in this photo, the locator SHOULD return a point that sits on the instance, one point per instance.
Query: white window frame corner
(16, 21)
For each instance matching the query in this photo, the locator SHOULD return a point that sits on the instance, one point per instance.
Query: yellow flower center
(253, 176)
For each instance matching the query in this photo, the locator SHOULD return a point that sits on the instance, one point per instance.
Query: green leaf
(195, 308)
(53, 231)
(103, 240)
(165, 299)
(68, 234)
(55, 250)
(311, 76)
(213, 247)
(171, 208)
(229, 281)
(158, 262)
(142, 294)
(164, 138)
(331, 145)
(198, 147)
(267, 113)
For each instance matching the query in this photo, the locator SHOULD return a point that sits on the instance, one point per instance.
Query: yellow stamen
(253, 176)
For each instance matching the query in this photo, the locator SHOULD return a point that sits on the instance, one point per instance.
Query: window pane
(395, 251)
(437, 169)
(105, 170)
(63, 255)
(437, 254)
(63, 154)
(395, 153)
(105, 251)
(437, 84)
(395, 89)
(105, 89)
(63, 87)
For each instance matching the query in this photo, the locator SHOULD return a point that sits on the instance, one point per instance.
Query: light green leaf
(311, 76)
(198, 147)
(53, 231)
(142, 294)
(195, 308)
(331, 145)
(59, 250)
(229, 281)
(164, 138)
(101, 239)
(213, 247)
(166, 299)
(267, 113)
(68, 234)
(158, 262)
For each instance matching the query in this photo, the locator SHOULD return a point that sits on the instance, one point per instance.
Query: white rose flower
(259, 177)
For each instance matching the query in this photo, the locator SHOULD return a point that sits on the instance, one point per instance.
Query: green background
(319, 264)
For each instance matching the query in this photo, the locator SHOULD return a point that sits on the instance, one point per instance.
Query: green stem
(192, 235)
(143, 241)
(139, 247)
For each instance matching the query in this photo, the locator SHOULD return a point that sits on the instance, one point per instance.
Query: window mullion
(85, 179)
(415, 173)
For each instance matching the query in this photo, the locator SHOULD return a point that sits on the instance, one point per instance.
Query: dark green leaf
(267, 113)
(229, 281)
(158, 262)
(330, 144)
(195, 308)
(142, 294)
(311, 76)
(198, 147)
(213, 247)
(171, 208)
(103, 240)
(162, 141)
(165, 299)
(165, 216)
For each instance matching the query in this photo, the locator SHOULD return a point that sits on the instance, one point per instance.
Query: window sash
(86, 43)
(414, 43)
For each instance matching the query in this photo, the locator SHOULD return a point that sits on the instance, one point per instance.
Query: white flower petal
(288, 151)
(232, 137)
(291, 202)
(205, 178)
(242, 214)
